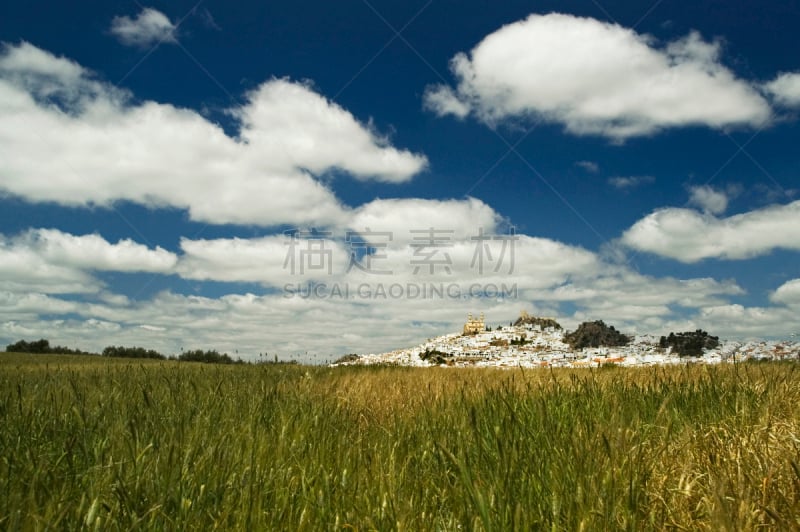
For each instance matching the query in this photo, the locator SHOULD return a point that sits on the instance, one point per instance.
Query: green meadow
(107, 444)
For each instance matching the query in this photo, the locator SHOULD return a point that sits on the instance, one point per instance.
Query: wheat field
(104, 444)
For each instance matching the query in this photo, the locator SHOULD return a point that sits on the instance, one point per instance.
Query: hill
(535, 342)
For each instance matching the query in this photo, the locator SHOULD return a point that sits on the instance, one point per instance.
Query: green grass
(110, 444)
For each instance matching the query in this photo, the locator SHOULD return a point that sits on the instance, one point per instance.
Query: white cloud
(689, 236)
(70, 139)
(93, 252)
(739, 321)
(149, 27)
(400, 216)
(32, 76)
(393, 225)
(710, 201)
(785, 89)
(630, 181)
(597, 78)
(302, 129)
(23, 270)
(545, 273)
(27, 60)
(31, 305)
(623, 287)
(788, 293)
(52, 262)
(541, 270)
(442, 100)
(590, 166)
(536, 264)
(272, 261)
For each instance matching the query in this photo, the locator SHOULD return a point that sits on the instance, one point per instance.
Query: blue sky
(161, 163)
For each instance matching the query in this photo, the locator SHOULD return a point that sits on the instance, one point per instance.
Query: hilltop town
(534, 342)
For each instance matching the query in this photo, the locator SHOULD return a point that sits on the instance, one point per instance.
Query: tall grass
(173, 446)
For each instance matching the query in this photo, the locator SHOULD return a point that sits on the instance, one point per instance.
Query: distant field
(118, 444)
(35, 361)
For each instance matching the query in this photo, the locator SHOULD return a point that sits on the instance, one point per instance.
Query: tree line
(43, 347)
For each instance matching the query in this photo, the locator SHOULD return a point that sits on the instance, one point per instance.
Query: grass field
(117, 444)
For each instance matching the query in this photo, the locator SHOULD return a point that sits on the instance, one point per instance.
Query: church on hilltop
(474, 325)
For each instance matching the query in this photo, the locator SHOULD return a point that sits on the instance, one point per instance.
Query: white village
(533, 342)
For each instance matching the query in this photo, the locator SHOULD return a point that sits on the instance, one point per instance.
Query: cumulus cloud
(392, 234)
(597, 78)
(788, 293)
(785, 89)
(688, 236)
(464, 218)
(709, 200)
(541, 271)
(23, 62)
(30, 75)
(101, 147)
(31, 305)
(93, 252)
(739, 321)
(630, 181)
(22, 270)
(271, 261)
(302, 328)
(149, 27)
(546, 274)
(302, 129)
(53, 262)
(533, 264)
(442, 100)
(388, 231)
(623, 287)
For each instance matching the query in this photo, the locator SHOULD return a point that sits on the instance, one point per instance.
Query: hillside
(530, 345)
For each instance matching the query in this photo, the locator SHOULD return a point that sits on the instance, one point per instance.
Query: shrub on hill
(42, 347)
(434, 356)
(352, 357)
(595, 334)
(131, 352)
(689, 344)
(544, 323)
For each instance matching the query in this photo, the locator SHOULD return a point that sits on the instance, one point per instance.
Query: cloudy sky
(312, 179)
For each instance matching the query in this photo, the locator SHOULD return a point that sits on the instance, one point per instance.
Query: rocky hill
(543, 323)
(529, 344)
(689, 344)
(596, 334)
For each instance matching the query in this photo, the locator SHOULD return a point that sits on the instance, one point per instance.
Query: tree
(689, 344)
